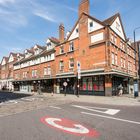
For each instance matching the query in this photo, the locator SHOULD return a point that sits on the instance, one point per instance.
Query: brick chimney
(84, 7)
(61, 33)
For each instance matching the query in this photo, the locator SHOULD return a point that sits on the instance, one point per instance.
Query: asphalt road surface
(73, 121)
(6, 96)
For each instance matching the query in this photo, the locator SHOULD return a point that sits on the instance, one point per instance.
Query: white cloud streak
(45, 16)
(5, 2)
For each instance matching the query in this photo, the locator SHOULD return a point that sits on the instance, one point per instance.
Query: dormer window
(91, 24)
(37, 51)
(71, 47)
(118, 26)
(49, 46)
(77, 30)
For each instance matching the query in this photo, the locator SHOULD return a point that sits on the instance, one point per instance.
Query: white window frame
(113, 58)
(61, 65)
(71, 46)
(116, 59)
(70, 62)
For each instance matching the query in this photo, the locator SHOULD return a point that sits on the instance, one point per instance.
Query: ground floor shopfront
(6, 84)
(100, 85)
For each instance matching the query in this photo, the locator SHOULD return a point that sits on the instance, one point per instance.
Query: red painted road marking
(69, 126)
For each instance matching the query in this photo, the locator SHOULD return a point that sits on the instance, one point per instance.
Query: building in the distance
(7, 72)
(97, 52)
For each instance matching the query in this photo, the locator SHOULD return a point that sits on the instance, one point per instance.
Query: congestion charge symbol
(69, 126)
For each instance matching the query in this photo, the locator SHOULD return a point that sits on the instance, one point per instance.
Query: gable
(3, 61)
(117, 27)
(75, 33)
(11, 58)
(96, 25)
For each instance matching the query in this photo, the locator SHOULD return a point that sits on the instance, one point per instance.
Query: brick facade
(106, 59)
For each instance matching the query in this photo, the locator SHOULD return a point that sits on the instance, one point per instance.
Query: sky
(24, 23)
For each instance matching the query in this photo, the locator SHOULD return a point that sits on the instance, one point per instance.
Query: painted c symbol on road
(69, 126)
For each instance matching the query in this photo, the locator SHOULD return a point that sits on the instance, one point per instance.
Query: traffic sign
(65, 84)
(69, 126)
(78, 70)
(78, 66)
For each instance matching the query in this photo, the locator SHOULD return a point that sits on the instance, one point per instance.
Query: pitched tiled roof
(111, 19)
(40, 47)
(54, 40)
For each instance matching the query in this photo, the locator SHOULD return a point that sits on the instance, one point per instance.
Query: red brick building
(7, 72)
(99, 50)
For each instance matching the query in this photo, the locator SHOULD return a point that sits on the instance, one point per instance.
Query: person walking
(120, 88)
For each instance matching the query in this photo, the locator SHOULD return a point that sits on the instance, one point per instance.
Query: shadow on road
(6, 96)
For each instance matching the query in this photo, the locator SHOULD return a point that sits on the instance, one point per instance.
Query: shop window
(89, 84)
(85, 84)
(95, 83)
(98, 85)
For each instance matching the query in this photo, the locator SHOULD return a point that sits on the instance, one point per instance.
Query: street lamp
(136, 89)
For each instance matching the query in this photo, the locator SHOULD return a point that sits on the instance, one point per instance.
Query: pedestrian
(52, 93)
(39, 90)
(74, 89)
(120, 88)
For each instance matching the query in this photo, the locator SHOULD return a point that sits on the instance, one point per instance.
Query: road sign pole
(78, 88)
(78, 77)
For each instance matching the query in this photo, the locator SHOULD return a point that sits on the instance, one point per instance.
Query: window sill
(60, 54)
(70, 51)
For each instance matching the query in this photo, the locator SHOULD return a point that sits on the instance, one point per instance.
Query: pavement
(35, 101)
(126, 99)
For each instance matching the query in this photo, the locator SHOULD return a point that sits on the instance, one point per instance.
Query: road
(73, 121)
(6, 96)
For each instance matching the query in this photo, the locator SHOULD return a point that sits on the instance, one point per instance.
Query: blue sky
(24, 23)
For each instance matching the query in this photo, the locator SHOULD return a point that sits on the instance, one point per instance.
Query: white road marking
(55, 107)
(98, 109)
(9, 102)
(77, 127)
(118, 119)
(28, 99)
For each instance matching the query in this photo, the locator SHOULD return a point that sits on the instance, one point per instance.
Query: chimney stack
(61, 33)
(84, 7)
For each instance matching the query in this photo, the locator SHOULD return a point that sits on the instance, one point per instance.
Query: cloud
(46, 16)
(5, 2)
(12, 18)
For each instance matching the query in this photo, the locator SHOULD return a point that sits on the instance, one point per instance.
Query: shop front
(69, 88)
(93, 85)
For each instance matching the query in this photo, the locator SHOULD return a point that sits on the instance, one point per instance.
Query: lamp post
(136, 88)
